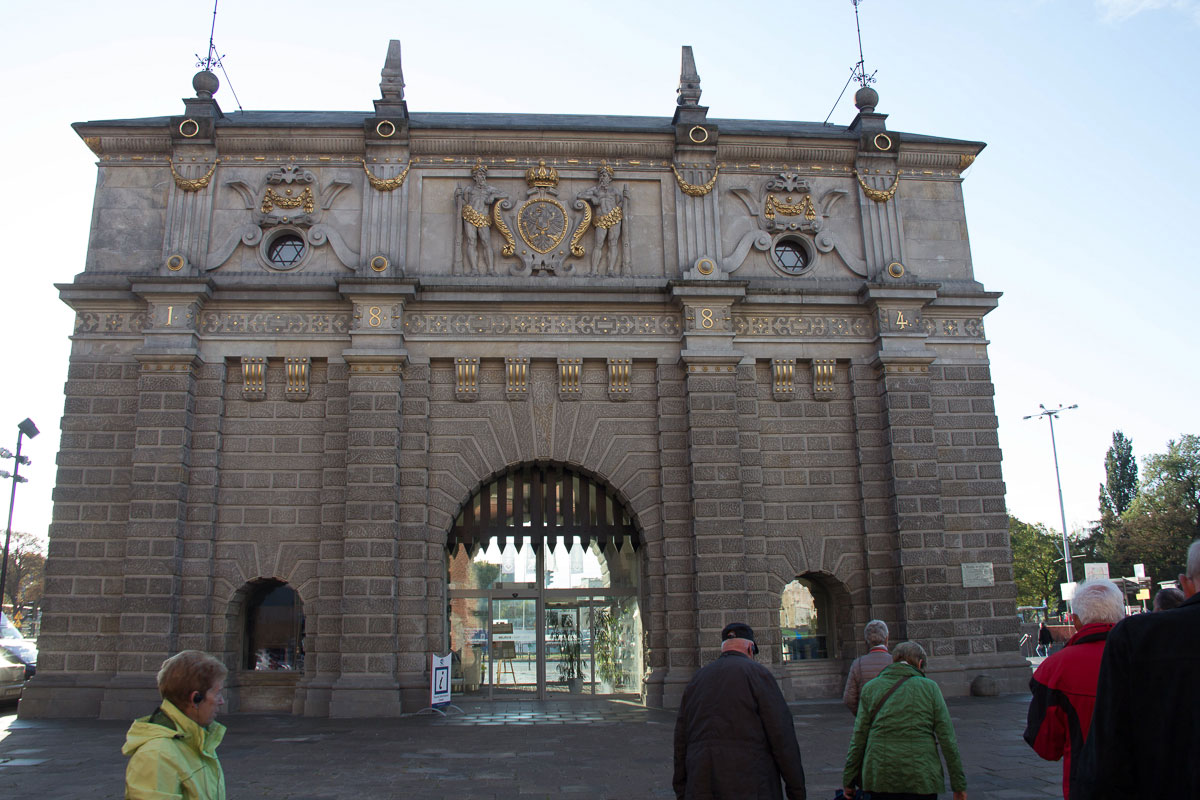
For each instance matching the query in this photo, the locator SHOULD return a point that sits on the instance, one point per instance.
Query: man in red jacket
(1064, 686)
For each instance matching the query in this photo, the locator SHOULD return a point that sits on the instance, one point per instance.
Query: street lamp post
(1051, 414)
(24, 428)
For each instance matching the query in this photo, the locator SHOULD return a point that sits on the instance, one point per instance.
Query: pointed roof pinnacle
(689, 80)
(391, 86)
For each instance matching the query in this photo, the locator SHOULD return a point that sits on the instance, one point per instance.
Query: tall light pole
(25, 428)
(1052, 414)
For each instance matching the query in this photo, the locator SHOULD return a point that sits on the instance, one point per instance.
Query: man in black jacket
(734, 736)
(1144, 736)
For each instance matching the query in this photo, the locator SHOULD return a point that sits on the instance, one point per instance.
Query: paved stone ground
(522, 750)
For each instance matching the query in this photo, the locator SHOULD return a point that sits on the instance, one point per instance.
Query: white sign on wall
(977, 574)
(439, 684)
(1095, 571)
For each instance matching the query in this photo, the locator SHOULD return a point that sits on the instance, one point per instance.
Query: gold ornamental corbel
(879, 195)
(192, 184)
(386, 184)
(692, 189)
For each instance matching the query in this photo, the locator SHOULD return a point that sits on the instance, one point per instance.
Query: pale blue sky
(1080, 210)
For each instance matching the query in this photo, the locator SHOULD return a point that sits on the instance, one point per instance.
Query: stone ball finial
(865, 99)
(206, 84)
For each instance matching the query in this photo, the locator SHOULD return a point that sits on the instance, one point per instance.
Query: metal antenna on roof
(215, 59)
(859, 71)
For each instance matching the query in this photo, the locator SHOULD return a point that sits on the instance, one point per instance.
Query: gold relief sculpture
(879, 195)
(542, 223)
(569, 373)
(620, 373)
(516, 376)
(472, 203)
(581, 229)
(466, 378)
(254, 374)
(192, 184)
(93, 143)
(694, 190)
(823, 377)
(610, 212)
(804, 207)
(272, 199)
(386, 184)
(296, 368)
(510, 244)
(965, 160)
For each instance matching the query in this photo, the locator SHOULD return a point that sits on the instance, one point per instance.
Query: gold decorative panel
(620, 373)
(570, 374)
(254, 377)
(466, 378)
(823, 370)
(297, 370)
(783, 378)
(516, 377)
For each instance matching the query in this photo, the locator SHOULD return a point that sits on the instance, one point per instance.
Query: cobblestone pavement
(520, 750)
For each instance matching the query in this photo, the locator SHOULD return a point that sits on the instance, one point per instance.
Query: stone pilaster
(374, 663)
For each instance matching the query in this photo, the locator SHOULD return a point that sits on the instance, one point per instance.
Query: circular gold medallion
(895, 269)
(705, 266)
(385, 129)
(698, 134)
(175, 262)
(883, 141)
(379, 263)
(189, 125)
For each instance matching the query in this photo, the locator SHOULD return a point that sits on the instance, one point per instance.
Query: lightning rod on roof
(859, 71)
(215, 59)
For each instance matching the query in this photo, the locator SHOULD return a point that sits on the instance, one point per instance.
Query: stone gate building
(558, 395)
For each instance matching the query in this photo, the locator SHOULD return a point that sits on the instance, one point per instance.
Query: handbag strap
(879, 705)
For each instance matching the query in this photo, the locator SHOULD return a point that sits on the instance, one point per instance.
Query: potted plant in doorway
(608, 649)
(570, 665)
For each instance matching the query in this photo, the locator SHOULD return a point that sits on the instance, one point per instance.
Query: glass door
(513, 664)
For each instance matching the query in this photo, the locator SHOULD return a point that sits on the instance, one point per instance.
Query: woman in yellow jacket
(173, 752)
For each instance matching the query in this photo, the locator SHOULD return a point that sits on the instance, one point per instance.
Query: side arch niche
(265, 636)
(814, 627)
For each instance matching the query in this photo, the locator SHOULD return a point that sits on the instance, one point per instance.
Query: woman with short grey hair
(867, 666)
(894, 748)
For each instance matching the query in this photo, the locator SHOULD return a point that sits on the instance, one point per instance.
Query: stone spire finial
(689, 80)
(391, 87)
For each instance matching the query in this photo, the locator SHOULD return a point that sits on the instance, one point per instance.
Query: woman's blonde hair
(186, 673)
(910, 653)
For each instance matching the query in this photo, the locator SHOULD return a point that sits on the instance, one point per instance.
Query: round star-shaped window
(286, 251)
(791, 255)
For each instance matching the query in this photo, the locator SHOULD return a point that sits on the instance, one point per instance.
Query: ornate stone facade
(304, 341)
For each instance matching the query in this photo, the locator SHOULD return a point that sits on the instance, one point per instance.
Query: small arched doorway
(813, 616)
(542, 589)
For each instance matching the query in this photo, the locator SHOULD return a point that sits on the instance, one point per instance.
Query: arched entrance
(542, 589)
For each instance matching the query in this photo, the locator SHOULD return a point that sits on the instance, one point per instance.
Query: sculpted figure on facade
(610, 212)
(473, 205)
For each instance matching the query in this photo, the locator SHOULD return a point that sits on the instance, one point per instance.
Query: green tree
(1164, 517)
(1120, 486)
(26, 575)
(1037, 562)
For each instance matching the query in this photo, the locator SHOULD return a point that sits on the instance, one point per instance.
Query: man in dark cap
(734, 736)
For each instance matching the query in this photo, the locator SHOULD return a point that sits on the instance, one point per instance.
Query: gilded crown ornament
(541, 176)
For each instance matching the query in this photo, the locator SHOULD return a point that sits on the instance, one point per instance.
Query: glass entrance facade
(534, 611)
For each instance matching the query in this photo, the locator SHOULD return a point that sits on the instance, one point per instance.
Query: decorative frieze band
(223, 322)
(542, 324)
(761, 325)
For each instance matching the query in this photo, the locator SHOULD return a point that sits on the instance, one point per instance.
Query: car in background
(20, 648)
(12, 677)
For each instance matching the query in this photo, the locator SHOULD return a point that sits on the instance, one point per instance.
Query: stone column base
(1011, 671)
(59, 695)
(365, 696)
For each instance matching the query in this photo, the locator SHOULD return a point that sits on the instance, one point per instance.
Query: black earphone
(196, 698)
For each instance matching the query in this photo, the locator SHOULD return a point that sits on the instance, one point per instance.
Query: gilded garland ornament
(879, 195)
(692, 189)
(475, 218)
(387, 184)
(192, 184)
(804, 207)
(272, 199)
(608, 220)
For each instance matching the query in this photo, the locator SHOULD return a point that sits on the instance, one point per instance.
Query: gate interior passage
(542, 589)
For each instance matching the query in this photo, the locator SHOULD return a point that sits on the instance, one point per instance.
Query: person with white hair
(866, 667)
(1144, 736)
(1064, 686)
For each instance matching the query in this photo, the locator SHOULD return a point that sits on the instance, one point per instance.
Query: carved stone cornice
(479, 146)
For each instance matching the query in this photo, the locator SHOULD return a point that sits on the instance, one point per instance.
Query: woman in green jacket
(894, 748)
(173, 752)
